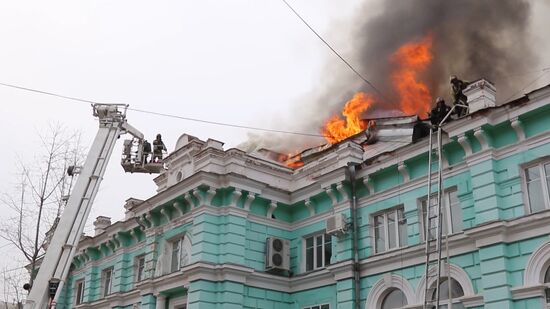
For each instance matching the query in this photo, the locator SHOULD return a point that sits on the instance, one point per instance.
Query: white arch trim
(384, 285)
(447, 270)
(537, 265)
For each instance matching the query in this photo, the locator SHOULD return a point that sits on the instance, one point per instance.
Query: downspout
(353, 205)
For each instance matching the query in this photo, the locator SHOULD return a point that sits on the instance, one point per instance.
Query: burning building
(339, 225)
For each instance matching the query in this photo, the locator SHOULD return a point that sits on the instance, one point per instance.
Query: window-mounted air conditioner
(277, 256)
(336, 224)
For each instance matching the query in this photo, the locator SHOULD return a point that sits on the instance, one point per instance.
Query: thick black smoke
(471, 39)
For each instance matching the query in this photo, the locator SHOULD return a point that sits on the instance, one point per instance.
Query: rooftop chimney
(129, 206)
(100, 224)
(481, 94)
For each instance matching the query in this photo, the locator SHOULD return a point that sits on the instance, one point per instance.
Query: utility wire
(334, 51)
(164, 114)
(223, 124)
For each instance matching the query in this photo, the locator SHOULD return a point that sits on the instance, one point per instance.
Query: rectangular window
(538, 186)
(451, 214)
(390, 230)
(318, 251)
(175, 255)
(324, 306)
(106, 281)
(139, 267)
(79, 288)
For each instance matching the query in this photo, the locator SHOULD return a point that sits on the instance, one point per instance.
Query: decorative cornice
(402, 168)
(481, 138)
(310, 208)
(517, 125)
(463, 141)
(331, 195)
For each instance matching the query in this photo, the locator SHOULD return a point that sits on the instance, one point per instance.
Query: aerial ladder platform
(54, 268)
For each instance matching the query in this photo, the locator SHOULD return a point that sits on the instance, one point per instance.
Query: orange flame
(412, 59)
(337, 129)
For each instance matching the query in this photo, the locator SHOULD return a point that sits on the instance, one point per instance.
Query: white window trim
(136, 268)
(304, 247)
(447, 214)
(103, 279)
(319, 305)
(76, 288)
(386, 230)
(523, 172)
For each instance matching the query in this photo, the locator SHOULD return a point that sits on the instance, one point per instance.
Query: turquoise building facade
(200, 242)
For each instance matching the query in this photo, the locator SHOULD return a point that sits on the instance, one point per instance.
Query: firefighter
(127, 150)
(146, 151)
(457, 88)
(158, 148)
(439, 111)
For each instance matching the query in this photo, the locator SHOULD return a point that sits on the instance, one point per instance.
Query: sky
(238, 61)
(245, 62)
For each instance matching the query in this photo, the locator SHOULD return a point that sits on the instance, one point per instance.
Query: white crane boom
(55, 266)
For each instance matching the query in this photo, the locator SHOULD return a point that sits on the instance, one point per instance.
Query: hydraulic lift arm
(55, 266)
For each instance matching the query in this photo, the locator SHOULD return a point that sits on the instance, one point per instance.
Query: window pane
(402, 228)
(395, 299)
(328, 249)
(309, 242)
(309, 258)
(547, 172)
(432, 222)
(319, 251)
(379, 237)
(547, 276)
(392, 229)
(534, 189)
(325, 306)
(456, 212)
(174, 259)
(455, 288)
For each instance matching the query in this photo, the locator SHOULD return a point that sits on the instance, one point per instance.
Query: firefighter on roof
(457, 88)
(439, 111)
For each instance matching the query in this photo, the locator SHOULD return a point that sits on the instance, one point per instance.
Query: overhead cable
(334, 51)
(164, 114)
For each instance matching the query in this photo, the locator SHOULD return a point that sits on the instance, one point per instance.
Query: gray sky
(229, 61)
(246, 62)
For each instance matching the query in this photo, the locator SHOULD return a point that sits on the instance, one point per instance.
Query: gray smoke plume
(471, 39)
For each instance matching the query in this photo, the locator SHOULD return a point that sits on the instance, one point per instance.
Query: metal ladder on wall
(433, 231)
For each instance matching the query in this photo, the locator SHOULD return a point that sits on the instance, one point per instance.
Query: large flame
(412, 59)
(337, 129)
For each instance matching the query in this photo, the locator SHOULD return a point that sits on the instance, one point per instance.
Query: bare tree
(38, 200)
(13, 279)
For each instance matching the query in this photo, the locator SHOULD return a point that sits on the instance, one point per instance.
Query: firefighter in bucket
(158, 149)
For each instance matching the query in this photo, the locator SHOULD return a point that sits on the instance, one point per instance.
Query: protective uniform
(457, 88)
(439, 111)
(158, 148)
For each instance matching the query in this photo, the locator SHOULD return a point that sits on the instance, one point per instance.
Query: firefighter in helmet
(457, 88)
(158, 148)
(439, 111)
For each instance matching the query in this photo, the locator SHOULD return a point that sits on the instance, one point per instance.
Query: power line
(334, 51)
(164, 114)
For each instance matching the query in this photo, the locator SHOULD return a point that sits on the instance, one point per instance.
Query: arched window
(394, 299)
(456, 291)
(547, 283)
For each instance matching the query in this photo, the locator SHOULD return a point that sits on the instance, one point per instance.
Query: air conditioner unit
(336, 224)
(277, 255)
